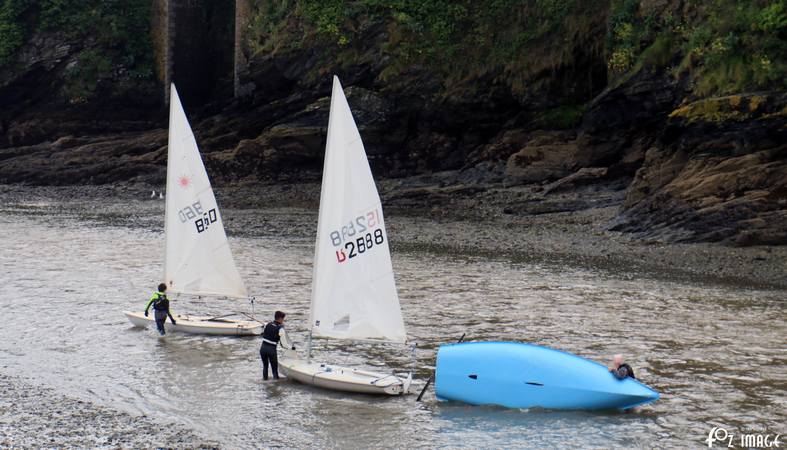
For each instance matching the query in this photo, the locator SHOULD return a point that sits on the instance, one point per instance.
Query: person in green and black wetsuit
(160, 304)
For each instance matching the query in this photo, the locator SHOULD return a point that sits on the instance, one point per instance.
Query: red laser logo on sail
(184, 181)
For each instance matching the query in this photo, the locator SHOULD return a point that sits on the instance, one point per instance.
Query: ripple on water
(715, 353)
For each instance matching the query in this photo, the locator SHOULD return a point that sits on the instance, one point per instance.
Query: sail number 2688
(360, 245)
(358, 236)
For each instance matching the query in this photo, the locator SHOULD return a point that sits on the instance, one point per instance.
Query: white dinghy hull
(342, 378)
(200, 324)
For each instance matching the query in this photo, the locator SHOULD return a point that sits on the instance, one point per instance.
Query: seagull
(161, 195)
(153, 194)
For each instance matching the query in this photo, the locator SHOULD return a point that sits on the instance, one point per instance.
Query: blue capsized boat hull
(517, 375)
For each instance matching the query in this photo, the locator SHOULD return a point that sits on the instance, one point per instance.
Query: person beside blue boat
(620, 369)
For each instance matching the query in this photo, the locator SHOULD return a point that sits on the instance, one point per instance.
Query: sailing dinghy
(353, 291)
(517, 375)
(198, 259)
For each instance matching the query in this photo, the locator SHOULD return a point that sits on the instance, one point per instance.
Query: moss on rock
(734, 108)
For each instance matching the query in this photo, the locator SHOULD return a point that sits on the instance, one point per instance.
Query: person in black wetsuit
(620, 369)
(272, 335)
(160, 304)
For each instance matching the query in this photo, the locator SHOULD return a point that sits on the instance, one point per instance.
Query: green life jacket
(160, 301)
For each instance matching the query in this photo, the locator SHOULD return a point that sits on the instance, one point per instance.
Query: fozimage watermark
(723, 438)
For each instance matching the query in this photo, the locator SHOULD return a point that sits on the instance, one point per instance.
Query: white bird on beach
(152, 194)
(161, 195)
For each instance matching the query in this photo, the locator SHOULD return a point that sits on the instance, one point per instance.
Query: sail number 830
(194, 211)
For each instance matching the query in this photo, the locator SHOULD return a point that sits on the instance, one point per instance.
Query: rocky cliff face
(717, 172)
(585, 94)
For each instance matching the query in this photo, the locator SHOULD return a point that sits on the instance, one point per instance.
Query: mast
(172, 94)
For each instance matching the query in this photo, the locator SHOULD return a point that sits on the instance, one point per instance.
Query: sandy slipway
(32, 416)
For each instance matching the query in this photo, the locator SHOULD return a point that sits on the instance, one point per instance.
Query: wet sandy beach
(33, 416)
(477, 222)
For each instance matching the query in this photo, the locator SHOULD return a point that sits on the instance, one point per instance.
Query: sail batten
(198, 260)
(353, 289)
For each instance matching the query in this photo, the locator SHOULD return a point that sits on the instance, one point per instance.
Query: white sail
(198, 258)
(353, 290)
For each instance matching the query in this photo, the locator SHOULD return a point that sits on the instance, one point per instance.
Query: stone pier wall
(195, 42)
(159, 34)
(240, 64)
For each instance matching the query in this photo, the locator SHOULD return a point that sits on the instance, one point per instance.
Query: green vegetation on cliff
(724, 46)
(111, 36)
(511, 42)
(556, 52)
(12, 30)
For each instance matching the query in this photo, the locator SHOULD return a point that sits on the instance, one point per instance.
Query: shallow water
(716, 353)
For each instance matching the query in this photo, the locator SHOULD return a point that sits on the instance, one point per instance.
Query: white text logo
(752, 440)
